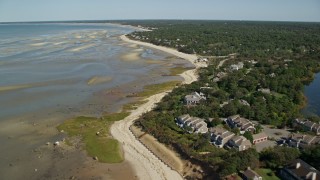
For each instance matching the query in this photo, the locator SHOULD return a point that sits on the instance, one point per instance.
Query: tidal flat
(54, 72)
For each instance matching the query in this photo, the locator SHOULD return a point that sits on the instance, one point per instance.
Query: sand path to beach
(147, 165)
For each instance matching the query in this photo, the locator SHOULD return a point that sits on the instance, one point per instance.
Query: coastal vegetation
(94, 132)
(278, 60)
(95, 135)
(220, 38)
(152, 89)
(177, 70)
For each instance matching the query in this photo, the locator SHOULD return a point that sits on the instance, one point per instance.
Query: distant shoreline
(118, 21)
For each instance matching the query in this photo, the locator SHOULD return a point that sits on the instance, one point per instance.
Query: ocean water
(52, 72)
(45, 65)
(312, 92)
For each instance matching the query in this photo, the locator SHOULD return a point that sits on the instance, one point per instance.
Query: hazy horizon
(81, 10)
(115, 20)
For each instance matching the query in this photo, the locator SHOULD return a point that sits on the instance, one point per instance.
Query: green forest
(286, 56)
(249, 39)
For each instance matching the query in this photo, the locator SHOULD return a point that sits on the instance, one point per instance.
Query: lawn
(267, 174)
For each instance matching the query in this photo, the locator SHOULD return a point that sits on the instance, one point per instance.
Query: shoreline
(135, 152)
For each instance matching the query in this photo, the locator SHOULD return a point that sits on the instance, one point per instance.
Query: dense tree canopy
(249, 39)
(286, 56)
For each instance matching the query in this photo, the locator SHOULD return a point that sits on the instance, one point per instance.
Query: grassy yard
(267, 174)
(102, 145)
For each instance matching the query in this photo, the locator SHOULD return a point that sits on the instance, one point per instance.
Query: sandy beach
(147, 165)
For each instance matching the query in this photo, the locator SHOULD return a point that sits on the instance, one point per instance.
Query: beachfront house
(220, 136)
(196, 125)
(194, 98)
(299, 170)
(307, 125)
(239, 142)
(242, 124)
(303, 140)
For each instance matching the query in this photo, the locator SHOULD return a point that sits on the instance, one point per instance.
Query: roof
(307, 139)
(240, 120)
(316, 140)
(250, 174)
(236, 139)
(194, 122)
(217, 130)
(259, 136)
(296, 137)
(309, 124)
(227, 134)
(183, 117)
(192, 98)
(191, 120)
(223, 133)
(241, 141)
(247, 126)
(234, 117)
(302, 169)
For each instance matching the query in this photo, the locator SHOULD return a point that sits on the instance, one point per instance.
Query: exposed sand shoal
(33, 84)
(133, 46)
(59, 43)
(138, 50)
(82, 48)
(39, 44)
(151, 61)
(98, 80)
(147, 165)
(131, 56)
(14, 87)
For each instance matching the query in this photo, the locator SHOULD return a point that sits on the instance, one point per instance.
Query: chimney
(298, 165)
(314, 176)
